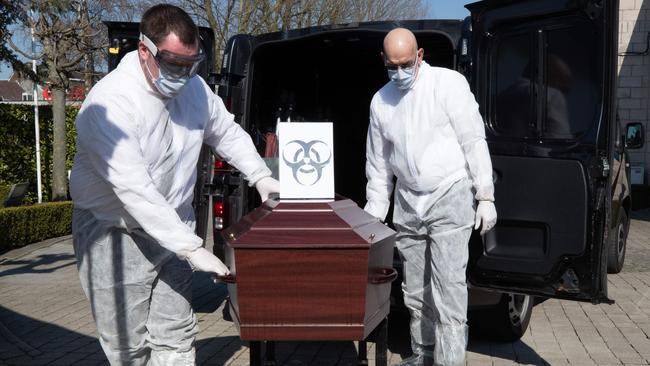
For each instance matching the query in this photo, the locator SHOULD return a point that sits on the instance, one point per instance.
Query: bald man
(425, 130)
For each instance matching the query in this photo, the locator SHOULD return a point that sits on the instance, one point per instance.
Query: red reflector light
(218, 209)
(218, 164)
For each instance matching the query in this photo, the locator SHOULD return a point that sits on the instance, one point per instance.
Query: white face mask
(404, 77)
(166, 85)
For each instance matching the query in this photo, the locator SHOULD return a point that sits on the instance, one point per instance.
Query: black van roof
(451, 27)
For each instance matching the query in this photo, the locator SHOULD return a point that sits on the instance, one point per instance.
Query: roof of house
(10, 91)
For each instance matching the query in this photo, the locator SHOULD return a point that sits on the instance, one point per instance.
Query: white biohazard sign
(306, 159)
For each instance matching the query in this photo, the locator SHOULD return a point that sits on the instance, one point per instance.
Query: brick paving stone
(19, 361)
(49, 319)
(70, 358)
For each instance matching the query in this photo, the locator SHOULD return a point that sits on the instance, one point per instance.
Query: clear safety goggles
(172, 64)
(405, 65)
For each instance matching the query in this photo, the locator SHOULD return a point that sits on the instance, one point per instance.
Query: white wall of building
(634, 73)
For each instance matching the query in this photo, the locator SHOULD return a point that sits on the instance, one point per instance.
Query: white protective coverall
(432, 138)
(132, 184)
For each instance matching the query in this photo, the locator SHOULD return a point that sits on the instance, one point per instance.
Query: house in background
(76, 91)
(27, 85)
(11, 91)
(19, 91)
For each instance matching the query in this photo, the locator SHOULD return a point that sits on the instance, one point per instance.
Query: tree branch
(24, 53)
(70, 63)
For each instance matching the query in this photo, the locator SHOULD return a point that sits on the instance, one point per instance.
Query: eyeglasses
(405, 65)
(174, 65)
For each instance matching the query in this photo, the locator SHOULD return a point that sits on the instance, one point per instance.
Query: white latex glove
(486, 216)
(266, 186)
(202, 260)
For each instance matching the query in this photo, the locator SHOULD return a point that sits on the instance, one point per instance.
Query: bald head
(400, 46)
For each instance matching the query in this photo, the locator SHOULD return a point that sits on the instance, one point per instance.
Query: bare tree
(62, 28)
(94, 12)
(72, 40)
(10, 12)
(230, 17)
(368, 10)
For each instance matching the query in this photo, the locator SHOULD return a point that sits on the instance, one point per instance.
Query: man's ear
(143, 52)
(421, 54)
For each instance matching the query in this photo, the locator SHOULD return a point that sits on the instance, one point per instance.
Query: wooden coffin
(309, 271)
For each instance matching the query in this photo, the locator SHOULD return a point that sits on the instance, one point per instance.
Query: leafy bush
(17, 151)
(29, 224)
(4, 191)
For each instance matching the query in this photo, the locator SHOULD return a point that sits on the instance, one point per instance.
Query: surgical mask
(168, 86)
(174, 71)
(404, 77)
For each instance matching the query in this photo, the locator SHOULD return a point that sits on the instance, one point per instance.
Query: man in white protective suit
(425, 130)
(140, 131)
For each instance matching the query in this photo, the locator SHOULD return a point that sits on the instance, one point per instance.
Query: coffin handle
(227, 278)
(383, 275)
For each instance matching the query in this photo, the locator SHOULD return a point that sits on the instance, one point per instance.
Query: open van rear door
(234, 68)
(544, 73)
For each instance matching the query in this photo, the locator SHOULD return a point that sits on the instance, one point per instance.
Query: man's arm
(462, 109)
(233, 144)
(466, 120)
(378, 172)
(109, 136)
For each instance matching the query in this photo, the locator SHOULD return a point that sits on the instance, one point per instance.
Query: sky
(438, 9)
(447, 9)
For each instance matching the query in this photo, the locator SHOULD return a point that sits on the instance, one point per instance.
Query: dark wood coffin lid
(337, 224)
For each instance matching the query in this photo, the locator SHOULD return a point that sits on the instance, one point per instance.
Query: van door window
(560, 62)
(514, 105)
(572, 92)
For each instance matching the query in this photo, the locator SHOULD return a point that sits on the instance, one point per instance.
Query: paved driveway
(45, 320)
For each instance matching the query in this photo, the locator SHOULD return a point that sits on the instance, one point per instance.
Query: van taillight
(218, 215)
(221, 166)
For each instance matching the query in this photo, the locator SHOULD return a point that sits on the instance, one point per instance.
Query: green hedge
(29, 224)
(4, 191)
(17, 151)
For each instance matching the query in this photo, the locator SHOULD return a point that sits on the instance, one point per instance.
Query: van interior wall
(329, 78)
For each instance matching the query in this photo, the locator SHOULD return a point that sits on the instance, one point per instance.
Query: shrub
(17, 151)
(28, 224)
(4, 191)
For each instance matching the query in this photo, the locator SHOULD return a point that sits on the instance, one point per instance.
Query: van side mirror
(634, 135)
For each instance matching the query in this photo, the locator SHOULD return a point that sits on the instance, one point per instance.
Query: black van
(544, 74)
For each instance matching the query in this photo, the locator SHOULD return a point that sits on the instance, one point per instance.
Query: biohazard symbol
(306, 160)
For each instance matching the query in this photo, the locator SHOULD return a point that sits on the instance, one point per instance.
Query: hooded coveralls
(132, 183)
(430, 137)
